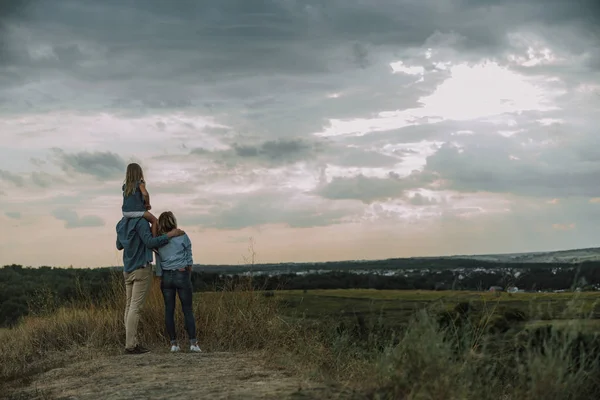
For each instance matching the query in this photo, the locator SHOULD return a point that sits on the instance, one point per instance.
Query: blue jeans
(180, 283)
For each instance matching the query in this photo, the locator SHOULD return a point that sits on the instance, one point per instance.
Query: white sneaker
(195, 348)
(175, 348)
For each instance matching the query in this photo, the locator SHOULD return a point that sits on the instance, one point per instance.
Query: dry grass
(424, 361)
(430, 362)
(235, 319)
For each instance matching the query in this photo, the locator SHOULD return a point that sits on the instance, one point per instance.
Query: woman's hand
(175, 232)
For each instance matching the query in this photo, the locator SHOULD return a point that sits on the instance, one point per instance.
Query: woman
(174, 266)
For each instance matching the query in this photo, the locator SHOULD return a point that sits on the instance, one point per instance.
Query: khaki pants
(137, 284)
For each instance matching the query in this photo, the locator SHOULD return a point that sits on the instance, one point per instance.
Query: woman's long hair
(166, 222)
(133, 176)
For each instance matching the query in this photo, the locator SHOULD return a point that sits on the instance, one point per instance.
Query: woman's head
(133, 176)
(166, 222)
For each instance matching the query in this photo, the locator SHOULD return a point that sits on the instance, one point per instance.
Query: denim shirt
(135, 201)
(174, 255)
(135, 239)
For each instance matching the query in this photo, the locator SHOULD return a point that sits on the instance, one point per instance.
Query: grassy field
(384, 344)
(453, 296)
(396, 307)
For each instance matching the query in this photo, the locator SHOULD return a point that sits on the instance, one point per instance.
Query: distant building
(496, 289)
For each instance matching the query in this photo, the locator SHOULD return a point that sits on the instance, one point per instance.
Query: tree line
(26, 290)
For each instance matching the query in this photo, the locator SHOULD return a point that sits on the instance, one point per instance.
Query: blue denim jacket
(135, 201)
(135, 239)
(174, 255)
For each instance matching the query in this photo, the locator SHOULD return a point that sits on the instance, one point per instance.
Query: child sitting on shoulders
(136, 199)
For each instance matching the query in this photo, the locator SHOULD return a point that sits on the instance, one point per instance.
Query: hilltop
(562, 256)
(219, 375)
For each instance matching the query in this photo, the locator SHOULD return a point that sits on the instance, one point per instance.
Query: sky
(321, 129)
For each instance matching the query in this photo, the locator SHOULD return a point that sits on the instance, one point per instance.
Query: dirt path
(174, 376)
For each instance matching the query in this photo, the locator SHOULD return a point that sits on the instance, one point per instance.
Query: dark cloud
(98, 164)
(13, 214)
(361, 55)
(555, 11)
(270, 69)
(270, 152)
(73, 220)
(369, 189)
(11, 177)
(37, 161)
(419, 200)
(288, 150)
(504, 166)
(281, 152)
(270, 207)
(200, 151)
(44, 180)
(10, 11)
(218, 54)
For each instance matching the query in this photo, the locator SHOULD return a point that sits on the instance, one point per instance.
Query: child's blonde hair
(166, 222)
(133, 176)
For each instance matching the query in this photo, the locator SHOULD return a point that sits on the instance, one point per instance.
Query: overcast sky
(324, 129)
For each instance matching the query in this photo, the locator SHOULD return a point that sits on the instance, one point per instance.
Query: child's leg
(148, 216)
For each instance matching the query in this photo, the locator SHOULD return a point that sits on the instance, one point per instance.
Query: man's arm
(119, 226)
(143, 229)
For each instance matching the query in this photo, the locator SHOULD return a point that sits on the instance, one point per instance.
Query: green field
(395, 307)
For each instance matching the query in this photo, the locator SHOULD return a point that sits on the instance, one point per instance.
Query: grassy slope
(421, 361)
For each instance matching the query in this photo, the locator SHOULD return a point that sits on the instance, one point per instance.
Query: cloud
(97, 164)
(44, 179)
(442, 117)
(278, 41)
(353, 156)
(275, 151)
(10, 12)
(11, 177)
(564, 227)
(420, 200)
(73, 220)
(506, 165)
(13, 214)
(280, 152)
(272, 207)
(369, 189)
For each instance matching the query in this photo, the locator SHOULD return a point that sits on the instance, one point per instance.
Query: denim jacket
(135, 201)
(174, 255)
(135, 239)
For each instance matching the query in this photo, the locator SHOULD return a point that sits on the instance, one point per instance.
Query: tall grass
(432, 362)
(432, 357)
(236, 318)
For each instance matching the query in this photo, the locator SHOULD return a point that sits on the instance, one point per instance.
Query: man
(135, 238)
